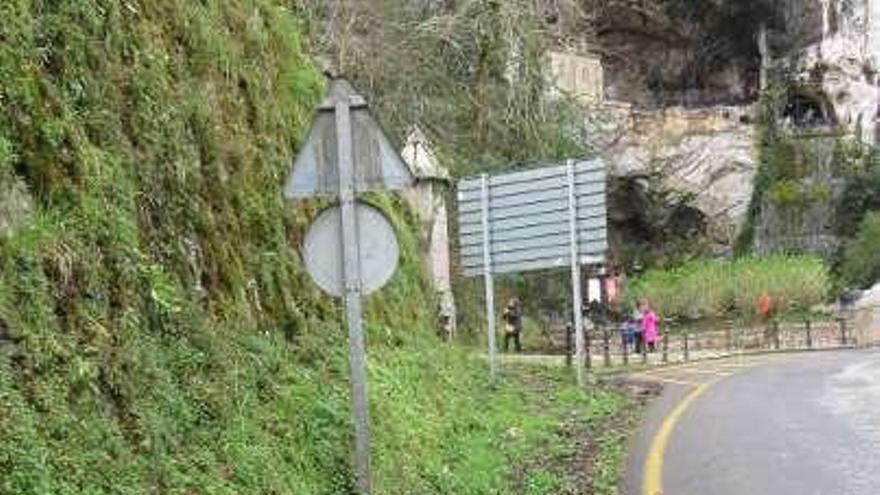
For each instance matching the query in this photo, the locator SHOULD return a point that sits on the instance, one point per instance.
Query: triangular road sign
(377, 165)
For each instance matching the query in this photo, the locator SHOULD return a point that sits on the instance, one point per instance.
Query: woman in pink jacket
(649, 326)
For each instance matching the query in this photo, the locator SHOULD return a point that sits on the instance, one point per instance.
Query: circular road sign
(323, 254)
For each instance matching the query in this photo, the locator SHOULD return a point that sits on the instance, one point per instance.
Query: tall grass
(716, 288)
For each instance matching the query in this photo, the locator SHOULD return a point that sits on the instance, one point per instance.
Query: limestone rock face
(677, 109)
(15, 206)
(842, 61)
(707, 155)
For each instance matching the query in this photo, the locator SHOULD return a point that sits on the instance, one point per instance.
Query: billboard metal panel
(532, 213)
(553, 256)
(498, 182)
(531, 232)
(529, 216)
(548, 199)
(529, 243)
(471, 197)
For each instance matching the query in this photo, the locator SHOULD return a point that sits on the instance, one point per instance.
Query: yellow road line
(738, 365)
(709, 372)
(655, 378)
(675, 381)
(653, 477)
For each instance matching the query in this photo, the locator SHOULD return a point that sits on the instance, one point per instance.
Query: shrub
(861, 259)
(716, 288)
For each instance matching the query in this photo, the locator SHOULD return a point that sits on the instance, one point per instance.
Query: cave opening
(651, 226)
(805, 110)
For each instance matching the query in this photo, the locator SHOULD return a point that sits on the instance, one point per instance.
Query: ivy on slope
(157, 332)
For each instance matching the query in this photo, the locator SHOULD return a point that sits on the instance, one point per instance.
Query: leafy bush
(861, 260)
(715, 288)
(861, 194)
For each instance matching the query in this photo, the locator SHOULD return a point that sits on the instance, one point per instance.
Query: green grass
(612, 453)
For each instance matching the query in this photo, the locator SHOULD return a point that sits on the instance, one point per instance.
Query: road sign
(529, 219)
(379, 251)
(377, 165)
(346, 153)
(537, 219)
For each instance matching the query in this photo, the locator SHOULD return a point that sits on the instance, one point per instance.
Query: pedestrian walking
(513, 316)
(638, 336)
(649, 326)
(764, 306)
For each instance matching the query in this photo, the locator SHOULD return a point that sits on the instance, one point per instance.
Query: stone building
(580, 76)
(428, 199)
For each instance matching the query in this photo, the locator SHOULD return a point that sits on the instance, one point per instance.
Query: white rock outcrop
(843, 63)
(867, 317)
(706, 154)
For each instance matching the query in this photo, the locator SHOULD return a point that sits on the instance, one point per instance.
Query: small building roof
(419, 156)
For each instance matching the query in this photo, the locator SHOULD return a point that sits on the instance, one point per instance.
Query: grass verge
(569, 441)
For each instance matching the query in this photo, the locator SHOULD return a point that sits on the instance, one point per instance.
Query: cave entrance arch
(807, 109)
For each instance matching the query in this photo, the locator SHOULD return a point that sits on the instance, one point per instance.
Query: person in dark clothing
(628, 329)
(513, 323)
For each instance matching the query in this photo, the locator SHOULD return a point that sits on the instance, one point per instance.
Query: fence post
(728, 339)
(842, 331)
(569, 343)
(776, 335)
(588, 343)
(686, 346)
(625, 348)
(606, 345)
(809, 334)
(665, 338)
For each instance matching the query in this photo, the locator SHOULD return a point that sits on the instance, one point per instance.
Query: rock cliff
(681, 80)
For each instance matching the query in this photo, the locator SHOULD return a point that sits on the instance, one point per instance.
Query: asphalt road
(792, 424)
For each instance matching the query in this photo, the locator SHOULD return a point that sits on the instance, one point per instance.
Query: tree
(471, 72)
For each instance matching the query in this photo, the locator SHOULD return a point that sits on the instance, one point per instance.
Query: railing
(607, 347)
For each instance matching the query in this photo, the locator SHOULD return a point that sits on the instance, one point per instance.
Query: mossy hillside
(157, 331)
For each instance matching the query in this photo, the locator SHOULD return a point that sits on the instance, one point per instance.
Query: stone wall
(428, 199)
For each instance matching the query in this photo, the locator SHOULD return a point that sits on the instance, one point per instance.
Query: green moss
(158, 333)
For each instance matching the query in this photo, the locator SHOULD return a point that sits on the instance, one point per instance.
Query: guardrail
(607, 345)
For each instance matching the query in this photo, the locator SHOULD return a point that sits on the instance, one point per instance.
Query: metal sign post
(488, 280)
(352, 278)
(544, 218)
(347, 153)
(576, 296)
